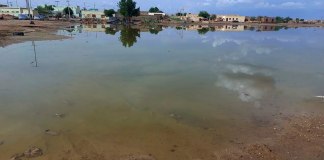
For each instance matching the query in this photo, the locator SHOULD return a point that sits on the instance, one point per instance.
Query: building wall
(16, 11)
(193, 17)
(93, 14)
(267, 19)
(76, 10)
(156, 14)
(231, 18)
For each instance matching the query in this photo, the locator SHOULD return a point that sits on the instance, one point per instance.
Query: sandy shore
(297, 137)
(42, 30)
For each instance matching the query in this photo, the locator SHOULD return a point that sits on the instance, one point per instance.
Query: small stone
(51, 133)
(17, 156)
(60, 115)
(33, 152)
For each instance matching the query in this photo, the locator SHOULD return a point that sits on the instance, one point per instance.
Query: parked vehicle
(23, 17)
(40, 17)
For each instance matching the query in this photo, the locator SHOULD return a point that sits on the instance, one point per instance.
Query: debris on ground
(30, 153)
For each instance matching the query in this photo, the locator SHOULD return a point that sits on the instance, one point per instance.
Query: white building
(15, 11)
(76, 10)
(193, 17)
(93, 14)
(231, 18)
(156, 14)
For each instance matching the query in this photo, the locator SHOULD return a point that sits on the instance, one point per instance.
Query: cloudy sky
(293, 8)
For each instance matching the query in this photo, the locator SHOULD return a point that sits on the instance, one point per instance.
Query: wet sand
(40, 31)
(294, 137)
(291, 137)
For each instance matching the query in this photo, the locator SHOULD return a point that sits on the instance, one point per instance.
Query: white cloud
(292, 4)
(286, 5)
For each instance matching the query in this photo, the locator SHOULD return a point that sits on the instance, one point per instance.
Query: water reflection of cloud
(250, 82)
(247, 69)
(219, 41)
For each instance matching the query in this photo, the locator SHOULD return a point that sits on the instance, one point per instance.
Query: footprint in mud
(59, 115)
(175, 116)
(30, 153)
(139, 157)
(51, 133)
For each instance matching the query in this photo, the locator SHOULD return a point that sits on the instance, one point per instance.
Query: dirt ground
(41, 30)
(293, 138)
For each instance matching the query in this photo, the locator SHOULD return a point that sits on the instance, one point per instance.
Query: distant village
(154, 15)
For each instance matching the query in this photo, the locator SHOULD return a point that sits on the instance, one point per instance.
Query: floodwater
(174, 93)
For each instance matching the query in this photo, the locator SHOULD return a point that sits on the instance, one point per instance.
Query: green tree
(58, 15)
(128, 36)
(204, 14)
(68, 11)
(109, 12)
(297, 20)
(110, 31)
(156, 30)
(178, 14)
(279, 19)
(213, 17)
(155, 10)
(203, 31)
(287, 19)
(128, 9)
(45, 10)
(253, 18)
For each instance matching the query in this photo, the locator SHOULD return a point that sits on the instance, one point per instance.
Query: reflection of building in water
(74, 29)
(224, 28)
(266, 28)
(196, 27)
(230, 28)
(94, 27)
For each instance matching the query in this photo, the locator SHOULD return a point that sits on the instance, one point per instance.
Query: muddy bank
(295, 137)
(41, 30)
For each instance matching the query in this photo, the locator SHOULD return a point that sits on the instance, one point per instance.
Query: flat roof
(13, 8)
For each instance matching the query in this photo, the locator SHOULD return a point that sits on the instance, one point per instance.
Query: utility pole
(16, 3)
(28, 4)
(57, 3)
(69, 9)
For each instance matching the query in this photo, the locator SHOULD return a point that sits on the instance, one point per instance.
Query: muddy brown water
(169, 93)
